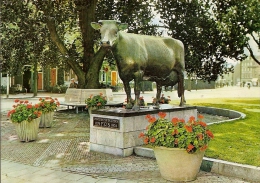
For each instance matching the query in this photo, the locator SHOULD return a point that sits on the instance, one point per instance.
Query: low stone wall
(231, 114)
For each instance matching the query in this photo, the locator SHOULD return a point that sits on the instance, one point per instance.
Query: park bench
(76, 97)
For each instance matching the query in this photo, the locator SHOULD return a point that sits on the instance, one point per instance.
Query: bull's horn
(118, 22)
(100, 21)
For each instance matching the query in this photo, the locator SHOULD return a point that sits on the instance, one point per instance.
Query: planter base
(46, 119)
(178, 165)
(27, 131)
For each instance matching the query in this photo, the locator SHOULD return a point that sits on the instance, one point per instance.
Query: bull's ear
(95, 25)
(122, 26)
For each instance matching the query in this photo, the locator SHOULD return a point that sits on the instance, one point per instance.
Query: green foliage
(60, 77)
(206, 46)
(57, 89)
(192, 135)
(3, 89)
(97, 101)
(23, 36)
(23, 110)
(238, 20)
(48, 104)
(58, 33)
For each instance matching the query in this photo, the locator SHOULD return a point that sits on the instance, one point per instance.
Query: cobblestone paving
(66, 146)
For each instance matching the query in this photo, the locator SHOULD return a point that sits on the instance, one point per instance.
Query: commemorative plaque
(106, 122)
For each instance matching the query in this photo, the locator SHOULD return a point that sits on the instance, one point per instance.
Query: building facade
(247, 72)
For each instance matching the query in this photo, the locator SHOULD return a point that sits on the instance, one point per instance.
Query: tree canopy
(58, 32)
(239, 20)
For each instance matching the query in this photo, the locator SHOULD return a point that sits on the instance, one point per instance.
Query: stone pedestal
(116, 131)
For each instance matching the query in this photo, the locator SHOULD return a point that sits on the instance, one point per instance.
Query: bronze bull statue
(140, 56)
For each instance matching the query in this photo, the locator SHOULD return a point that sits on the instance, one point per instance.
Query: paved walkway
(61, 153)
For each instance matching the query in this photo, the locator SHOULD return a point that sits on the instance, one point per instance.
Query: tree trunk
(88, 72)
(92, 76)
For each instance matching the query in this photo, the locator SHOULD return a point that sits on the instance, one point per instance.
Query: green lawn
(237, 141)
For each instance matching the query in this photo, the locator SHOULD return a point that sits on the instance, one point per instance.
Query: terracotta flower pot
(46, 119)
(177, 164)
(27, 131)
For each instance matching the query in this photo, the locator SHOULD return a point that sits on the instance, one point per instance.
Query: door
(53, 77)
(39, 82)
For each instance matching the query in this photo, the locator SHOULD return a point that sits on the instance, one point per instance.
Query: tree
(68, 27)
(59, 32)
(24, 40)
(240, 19)
(70, 30)
(206, 47)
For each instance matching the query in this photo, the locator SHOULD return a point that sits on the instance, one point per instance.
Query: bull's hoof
(182, 104)
(129, 106)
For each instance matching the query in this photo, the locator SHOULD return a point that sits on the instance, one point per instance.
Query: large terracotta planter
(177, 165)
(27, 131)
(46, 119)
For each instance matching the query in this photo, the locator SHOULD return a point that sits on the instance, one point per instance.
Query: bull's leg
(181, 88)
(128, 94)
(158, 94)
(137, 89)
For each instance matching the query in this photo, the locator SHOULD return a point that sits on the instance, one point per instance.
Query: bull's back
(150, 53)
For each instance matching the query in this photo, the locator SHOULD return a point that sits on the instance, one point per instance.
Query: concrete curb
(231, 114)
(246, 172)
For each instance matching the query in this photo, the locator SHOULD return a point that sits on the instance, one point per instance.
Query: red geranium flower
(203, 124)
(152, 140)
(200, 116)
(204, 148)
(188, 128)
(162, 114)
(146, 140)
(190, 147)
(141, 135)
(175, 121)
(210, 134)
(29, 106)
(152, 120)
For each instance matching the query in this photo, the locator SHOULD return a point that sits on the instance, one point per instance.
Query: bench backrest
(74, 95)
(85, 93)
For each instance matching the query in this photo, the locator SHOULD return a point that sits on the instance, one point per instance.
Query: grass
(237, 141)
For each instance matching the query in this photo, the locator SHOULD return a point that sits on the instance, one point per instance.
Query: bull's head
(108, 30)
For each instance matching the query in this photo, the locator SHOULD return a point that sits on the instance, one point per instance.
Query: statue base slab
(116, 130)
